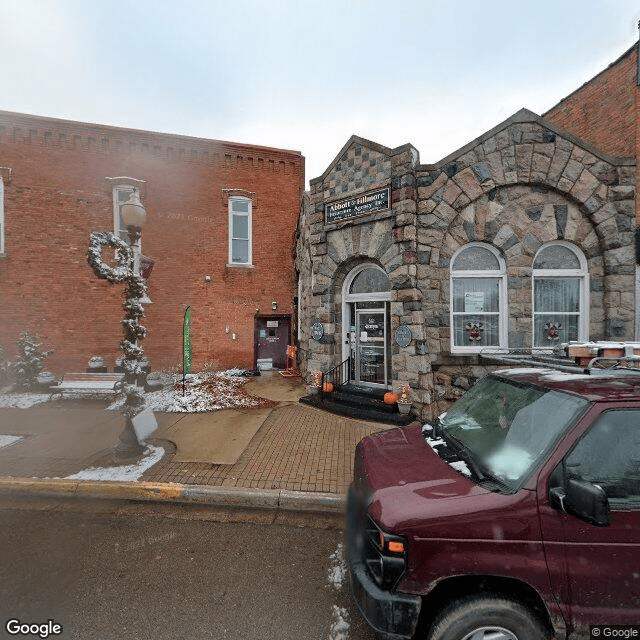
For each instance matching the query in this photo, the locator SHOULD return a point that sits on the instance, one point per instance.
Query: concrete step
(356, 406)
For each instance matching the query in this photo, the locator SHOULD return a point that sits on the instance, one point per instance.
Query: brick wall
(603, 110)
(57, 195)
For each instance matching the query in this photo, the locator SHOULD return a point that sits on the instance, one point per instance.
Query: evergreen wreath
(97, 241)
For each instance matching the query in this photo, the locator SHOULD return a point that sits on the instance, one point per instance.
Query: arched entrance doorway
(366, 326)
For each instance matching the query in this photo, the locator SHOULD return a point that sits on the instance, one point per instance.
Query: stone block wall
(520, 185)
(516, 188)
(326, 253)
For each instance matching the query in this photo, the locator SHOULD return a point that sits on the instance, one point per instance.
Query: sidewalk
(296, 453)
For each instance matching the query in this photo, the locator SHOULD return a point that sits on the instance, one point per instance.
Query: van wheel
(486, 618)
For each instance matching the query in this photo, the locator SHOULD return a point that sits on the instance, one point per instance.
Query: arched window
(478, 305)
(370, 280)
(560, 292)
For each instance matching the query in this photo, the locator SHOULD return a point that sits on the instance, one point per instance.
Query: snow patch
(5, 441)
(560, 376)
(338, 568)
(124, 473)
(202, 392)
(461, 466)
(525, 371)
(22, 400)
(340, 627)
(232, 373)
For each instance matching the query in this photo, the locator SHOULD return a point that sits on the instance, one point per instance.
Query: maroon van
(516, 516)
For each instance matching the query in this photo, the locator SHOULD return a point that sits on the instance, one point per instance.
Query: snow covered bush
(30, 361)
(5, 368)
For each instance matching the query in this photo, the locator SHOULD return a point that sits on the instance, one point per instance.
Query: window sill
(472, 351)
(237, 265)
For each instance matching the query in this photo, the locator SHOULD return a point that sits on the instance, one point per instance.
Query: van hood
(405, 482)
(401, 457)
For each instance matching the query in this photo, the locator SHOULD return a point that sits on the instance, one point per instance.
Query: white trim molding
(558, 273)
(240, 231)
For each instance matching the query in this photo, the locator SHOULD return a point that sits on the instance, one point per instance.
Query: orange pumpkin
(390, 398)
(327, 387)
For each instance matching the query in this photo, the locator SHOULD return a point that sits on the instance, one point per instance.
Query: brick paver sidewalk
(297, 447)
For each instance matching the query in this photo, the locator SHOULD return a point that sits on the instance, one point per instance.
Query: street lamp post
(125, 271)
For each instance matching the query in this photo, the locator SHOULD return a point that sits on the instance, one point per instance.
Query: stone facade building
(524, 238)
(221, 218)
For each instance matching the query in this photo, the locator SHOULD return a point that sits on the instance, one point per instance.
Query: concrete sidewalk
(300, 458)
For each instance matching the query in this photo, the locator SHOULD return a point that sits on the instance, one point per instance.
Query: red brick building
(605, 111)
(221, 219)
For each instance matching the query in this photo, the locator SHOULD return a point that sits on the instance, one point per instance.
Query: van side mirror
(584, 500)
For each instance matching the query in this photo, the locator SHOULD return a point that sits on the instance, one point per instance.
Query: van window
(609, 455)
(510, 427)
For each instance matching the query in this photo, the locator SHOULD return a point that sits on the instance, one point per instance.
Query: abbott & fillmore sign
(358, 206)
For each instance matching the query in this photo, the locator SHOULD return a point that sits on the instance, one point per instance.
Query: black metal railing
(335, 378)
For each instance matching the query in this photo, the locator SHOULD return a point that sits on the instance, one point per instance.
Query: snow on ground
(337, 573)
(124, 473)
(202, 392)
(338, 568)
(340, 627)
(22, 400)
(5, 441)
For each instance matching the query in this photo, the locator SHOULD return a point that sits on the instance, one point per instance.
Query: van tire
(462, 618)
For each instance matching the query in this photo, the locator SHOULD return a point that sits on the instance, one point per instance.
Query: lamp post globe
(132, 212)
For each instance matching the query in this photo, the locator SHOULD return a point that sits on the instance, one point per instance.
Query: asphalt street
(132, 573)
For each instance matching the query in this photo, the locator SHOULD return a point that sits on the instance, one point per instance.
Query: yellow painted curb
(276, 499)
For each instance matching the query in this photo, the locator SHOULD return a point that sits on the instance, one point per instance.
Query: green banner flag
(186, 342)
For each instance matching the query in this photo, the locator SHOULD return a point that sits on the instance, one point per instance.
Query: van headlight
(385, 555)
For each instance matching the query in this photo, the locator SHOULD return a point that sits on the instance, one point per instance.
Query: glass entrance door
(370, 346)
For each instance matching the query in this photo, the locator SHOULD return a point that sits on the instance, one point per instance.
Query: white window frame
(249, 215)
(495, 274)
(581, 274)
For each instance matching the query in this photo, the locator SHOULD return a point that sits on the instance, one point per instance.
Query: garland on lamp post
(124, 271)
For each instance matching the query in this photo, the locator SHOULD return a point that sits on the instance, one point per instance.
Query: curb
(165, 492)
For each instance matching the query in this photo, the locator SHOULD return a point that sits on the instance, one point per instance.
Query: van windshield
(507, 428)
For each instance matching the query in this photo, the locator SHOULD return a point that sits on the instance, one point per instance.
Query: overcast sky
(305, 75)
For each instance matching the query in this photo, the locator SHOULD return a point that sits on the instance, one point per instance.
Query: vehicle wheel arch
(458, 587)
